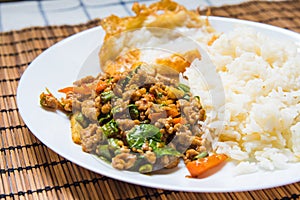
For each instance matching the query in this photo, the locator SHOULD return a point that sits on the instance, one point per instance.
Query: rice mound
(261, 81)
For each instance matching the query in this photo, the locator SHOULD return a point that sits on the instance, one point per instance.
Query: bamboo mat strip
(285, 14)
(29, 170)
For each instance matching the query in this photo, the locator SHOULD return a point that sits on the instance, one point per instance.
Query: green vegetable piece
(197, 97)
(175, 93)
(146, 121)
(110, 129)
(110, 79)
(166, 151)
(135, 142)
(104, 151)
(141, 133)
(105, 118)
(186, 97)
(201, 155)
(81, 120)
(107, 96)
(137, 69)
(126, 81)
(116, 109)
(183, 87)
(117, 151)
(113, 143)
(146, 168)
(133, 111)
(152, 144)
(129, 76)
(159, 95)
(138, 163)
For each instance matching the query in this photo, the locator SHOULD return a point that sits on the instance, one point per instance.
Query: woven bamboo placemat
(30, 170)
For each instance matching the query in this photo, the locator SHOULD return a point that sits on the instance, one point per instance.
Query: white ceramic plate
(60, 65)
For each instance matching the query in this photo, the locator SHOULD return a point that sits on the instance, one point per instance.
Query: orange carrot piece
(198, 167)
(179, 120)
(84, 89)
(66, 89)
(101, 86)
(173, 112)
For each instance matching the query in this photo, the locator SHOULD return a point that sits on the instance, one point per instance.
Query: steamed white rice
(260, 124)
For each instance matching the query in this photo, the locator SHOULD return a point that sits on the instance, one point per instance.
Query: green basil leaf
(141, 133)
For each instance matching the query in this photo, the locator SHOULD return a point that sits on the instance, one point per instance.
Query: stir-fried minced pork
(137, 120)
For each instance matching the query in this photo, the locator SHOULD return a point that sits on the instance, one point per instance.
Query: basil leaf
(137, 136)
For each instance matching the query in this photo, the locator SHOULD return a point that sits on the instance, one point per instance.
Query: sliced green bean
(201, 155)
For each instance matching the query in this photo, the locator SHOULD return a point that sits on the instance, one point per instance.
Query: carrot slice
(198, 167)
(84, 89)
(179, 120)
(66, 89)
(101, 86)
(173, 112)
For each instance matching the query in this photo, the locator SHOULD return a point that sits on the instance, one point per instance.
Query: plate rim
(133, 181)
